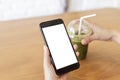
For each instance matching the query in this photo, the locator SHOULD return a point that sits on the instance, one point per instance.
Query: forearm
(116, 36)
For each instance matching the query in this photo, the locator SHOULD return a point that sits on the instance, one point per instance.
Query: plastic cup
(76, 38)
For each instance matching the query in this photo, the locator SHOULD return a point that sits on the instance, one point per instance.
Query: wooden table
(21, 49)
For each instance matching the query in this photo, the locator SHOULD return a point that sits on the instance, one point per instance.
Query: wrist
(115, 36)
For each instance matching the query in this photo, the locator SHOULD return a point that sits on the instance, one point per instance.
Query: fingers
(85, 41)
(88, 40)
(46, 57)
(77, 53)
(75, 47)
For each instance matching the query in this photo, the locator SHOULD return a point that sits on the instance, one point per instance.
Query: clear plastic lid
(73, 30)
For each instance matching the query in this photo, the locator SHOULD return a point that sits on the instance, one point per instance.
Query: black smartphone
(63, 56)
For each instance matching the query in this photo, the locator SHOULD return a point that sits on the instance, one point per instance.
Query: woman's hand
(49, 71)
(98, 33)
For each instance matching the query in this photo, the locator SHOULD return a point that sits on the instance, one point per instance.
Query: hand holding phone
(49, 71)
(62, 54)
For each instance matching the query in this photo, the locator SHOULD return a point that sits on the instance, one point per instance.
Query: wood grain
(21, 49)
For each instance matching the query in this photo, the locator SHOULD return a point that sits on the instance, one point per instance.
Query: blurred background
(19, 9)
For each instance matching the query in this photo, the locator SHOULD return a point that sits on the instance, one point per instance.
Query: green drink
(76, 37)
(81, 48)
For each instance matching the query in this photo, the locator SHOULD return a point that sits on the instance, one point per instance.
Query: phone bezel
(67, 68)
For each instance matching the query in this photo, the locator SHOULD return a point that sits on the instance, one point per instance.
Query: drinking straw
(81, 19)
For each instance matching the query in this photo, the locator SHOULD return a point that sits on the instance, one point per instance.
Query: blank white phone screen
(59, 45)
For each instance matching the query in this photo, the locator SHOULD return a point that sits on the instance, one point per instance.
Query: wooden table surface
(21, 49)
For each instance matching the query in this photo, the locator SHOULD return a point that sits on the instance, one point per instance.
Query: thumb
(46, 57)
(87, 40)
